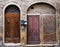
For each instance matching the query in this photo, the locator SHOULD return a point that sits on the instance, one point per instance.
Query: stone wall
(24, 5)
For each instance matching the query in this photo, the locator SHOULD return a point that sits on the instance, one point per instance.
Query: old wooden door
(12, 27)
(49, 29)
(33, 29)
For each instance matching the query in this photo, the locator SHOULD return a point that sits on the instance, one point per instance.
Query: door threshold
(12, 44)
(42, 44)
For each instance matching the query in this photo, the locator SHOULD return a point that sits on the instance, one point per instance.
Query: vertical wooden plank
(33, 30)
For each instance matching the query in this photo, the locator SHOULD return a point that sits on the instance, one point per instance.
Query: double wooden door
(12, 28)
(41, 29)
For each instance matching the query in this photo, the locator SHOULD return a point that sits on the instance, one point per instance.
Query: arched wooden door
(41, 29)
(12, 24)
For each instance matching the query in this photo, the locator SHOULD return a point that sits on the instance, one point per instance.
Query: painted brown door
(12, 28)
(33, 30)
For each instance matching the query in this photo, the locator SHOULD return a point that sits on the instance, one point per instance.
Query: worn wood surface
(33, 30)
(12, 27)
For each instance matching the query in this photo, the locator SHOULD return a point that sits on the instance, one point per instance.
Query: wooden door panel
(7, 24)
(33, 30)
(49, 27)
(12, 28)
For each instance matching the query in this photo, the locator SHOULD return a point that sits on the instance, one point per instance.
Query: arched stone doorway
(12, 24)
(41, 24)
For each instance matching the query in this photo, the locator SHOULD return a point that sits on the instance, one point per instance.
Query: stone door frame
(10, 44)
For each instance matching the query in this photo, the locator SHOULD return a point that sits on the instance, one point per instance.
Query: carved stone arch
(45, 14)
(12, 3)
(39, 4)
(11, 24)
